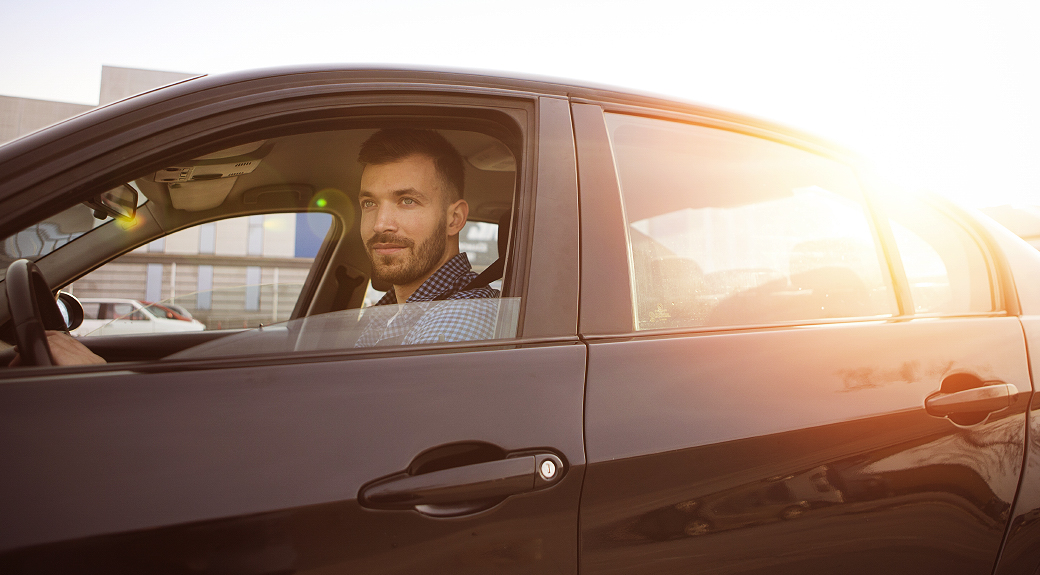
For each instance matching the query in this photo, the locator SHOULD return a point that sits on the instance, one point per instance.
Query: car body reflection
(769, 500)
(946, 470)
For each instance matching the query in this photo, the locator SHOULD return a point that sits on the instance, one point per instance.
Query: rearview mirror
(119, 203)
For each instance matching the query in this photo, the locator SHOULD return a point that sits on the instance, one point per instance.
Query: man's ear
(457, 215)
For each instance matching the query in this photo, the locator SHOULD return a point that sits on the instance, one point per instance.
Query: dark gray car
(722, 346)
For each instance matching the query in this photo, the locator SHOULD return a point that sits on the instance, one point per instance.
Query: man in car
(412, 210)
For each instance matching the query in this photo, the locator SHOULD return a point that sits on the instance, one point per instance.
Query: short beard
(424, 257)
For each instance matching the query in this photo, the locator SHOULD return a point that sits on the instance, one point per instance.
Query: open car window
(253, 235)
(184, 292)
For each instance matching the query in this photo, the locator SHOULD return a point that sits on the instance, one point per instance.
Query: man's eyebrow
(363, 194)
(395, 193)
(408, 192)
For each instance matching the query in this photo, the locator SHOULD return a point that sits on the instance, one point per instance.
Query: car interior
(311, 171)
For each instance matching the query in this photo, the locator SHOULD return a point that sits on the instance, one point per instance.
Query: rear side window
(729, 229)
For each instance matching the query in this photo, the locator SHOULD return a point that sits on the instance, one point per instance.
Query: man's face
(405, 217)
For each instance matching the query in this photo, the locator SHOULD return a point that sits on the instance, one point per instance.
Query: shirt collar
(452, 275)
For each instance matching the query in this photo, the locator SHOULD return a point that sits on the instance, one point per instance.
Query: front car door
(257, 461)
(778, 373)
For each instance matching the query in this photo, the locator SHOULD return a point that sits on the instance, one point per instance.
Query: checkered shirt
(424, 319)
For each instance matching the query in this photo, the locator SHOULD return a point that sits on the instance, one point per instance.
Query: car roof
(310, 75)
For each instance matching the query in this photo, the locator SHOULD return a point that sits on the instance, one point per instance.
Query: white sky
(943, 95)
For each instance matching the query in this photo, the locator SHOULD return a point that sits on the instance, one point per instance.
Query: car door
(345, 460)
(781, 380)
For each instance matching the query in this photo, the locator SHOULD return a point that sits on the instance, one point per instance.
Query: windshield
(49, 235)
(53, 233)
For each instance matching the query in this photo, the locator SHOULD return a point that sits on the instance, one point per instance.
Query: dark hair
(395, 144)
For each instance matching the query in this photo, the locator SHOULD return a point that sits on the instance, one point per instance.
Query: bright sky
(942, 95)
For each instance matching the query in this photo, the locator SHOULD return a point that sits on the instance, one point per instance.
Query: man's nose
(385, 219)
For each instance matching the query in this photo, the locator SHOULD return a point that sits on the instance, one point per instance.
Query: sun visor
(201, 195)
(205, 182)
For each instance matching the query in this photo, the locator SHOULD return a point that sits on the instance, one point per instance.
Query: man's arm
(66, 350)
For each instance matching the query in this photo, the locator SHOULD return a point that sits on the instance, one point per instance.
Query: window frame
(313, 108)
(608, 311)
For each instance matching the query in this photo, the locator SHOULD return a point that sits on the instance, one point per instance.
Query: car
(112, 316)
(722, 345)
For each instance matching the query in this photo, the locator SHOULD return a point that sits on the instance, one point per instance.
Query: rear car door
(781, 379)
(257, 462)
(1019, 553)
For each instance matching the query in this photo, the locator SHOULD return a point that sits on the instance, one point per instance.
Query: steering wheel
(33, 310)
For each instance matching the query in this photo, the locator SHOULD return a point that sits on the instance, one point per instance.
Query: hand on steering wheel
(33, 311)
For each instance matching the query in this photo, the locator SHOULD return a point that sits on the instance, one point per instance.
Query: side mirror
(71, 310)
(119, 203)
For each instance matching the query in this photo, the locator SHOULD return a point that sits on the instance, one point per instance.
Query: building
(20, 116)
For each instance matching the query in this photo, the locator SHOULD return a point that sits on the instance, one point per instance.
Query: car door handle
(985, 399)
(480, 482)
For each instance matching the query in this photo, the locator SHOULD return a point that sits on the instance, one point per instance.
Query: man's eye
(367, 203)
(408, 201)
